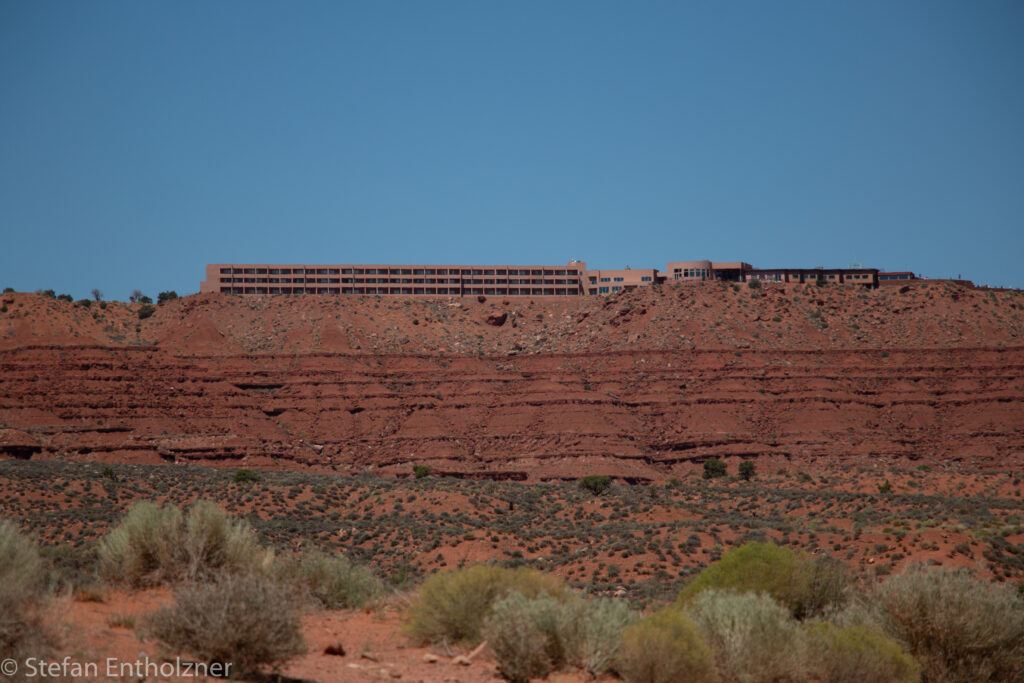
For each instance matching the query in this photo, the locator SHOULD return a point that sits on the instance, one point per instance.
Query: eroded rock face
(18, 444)
(637, 415)
(637, 386)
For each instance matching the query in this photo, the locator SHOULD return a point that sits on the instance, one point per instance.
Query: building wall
(572, 279)
(611, 281)
(363, 278)
(897, 278)
(688, 271)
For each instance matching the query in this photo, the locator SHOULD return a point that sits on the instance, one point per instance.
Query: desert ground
(886, 427)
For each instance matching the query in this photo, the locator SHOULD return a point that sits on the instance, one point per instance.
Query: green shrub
(333, 580)
(244, 620)
(594, 632)
(144, 549)
(753, 637)
(214, 541)
(166, 296)
(145, 311)
(244, 476)
(856, 654)
(23, 632)
(454, 605)
(754, 284)
(666, 647)
(714, 468)
(959, 629)
(806, 585)
(595, 483)
(532, 637)
(420, 471)
(747, 468)
(527, 636)
(84, 303)
(8, 290)
(154, 545)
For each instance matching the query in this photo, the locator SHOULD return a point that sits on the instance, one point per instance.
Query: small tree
(596, 484)
(244, 476)
(145, 310)
(166, 296)
(135, 296)
(754, 284)
(96, 294)
(420, 471)
(714, 468)
(145, 299)
(747, 470)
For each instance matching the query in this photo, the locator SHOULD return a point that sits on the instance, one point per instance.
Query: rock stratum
(641, 386)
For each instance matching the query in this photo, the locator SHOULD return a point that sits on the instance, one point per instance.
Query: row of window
(702, 273)
(391, 271)
(619, 279)
(494, 291)
(394, 280)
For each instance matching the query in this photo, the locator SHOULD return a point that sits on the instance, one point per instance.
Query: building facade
(384, 278)
(572, 279)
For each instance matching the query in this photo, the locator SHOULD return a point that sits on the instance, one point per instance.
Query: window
(618, 279)
(602, 290)
(615, 289)
(606, 279)
(645, 278)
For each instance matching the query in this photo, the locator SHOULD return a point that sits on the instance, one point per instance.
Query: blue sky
(141, 140)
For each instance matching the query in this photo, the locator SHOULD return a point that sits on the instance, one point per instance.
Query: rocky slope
(640, 386)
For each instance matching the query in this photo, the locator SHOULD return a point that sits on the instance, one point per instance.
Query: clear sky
(141, 140)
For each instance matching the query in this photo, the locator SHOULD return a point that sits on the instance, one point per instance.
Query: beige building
(572, 279)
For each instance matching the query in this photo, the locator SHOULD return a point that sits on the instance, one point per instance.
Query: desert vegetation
(758, 610)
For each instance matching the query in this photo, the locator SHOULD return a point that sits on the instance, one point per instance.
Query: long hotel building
(572, 279)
